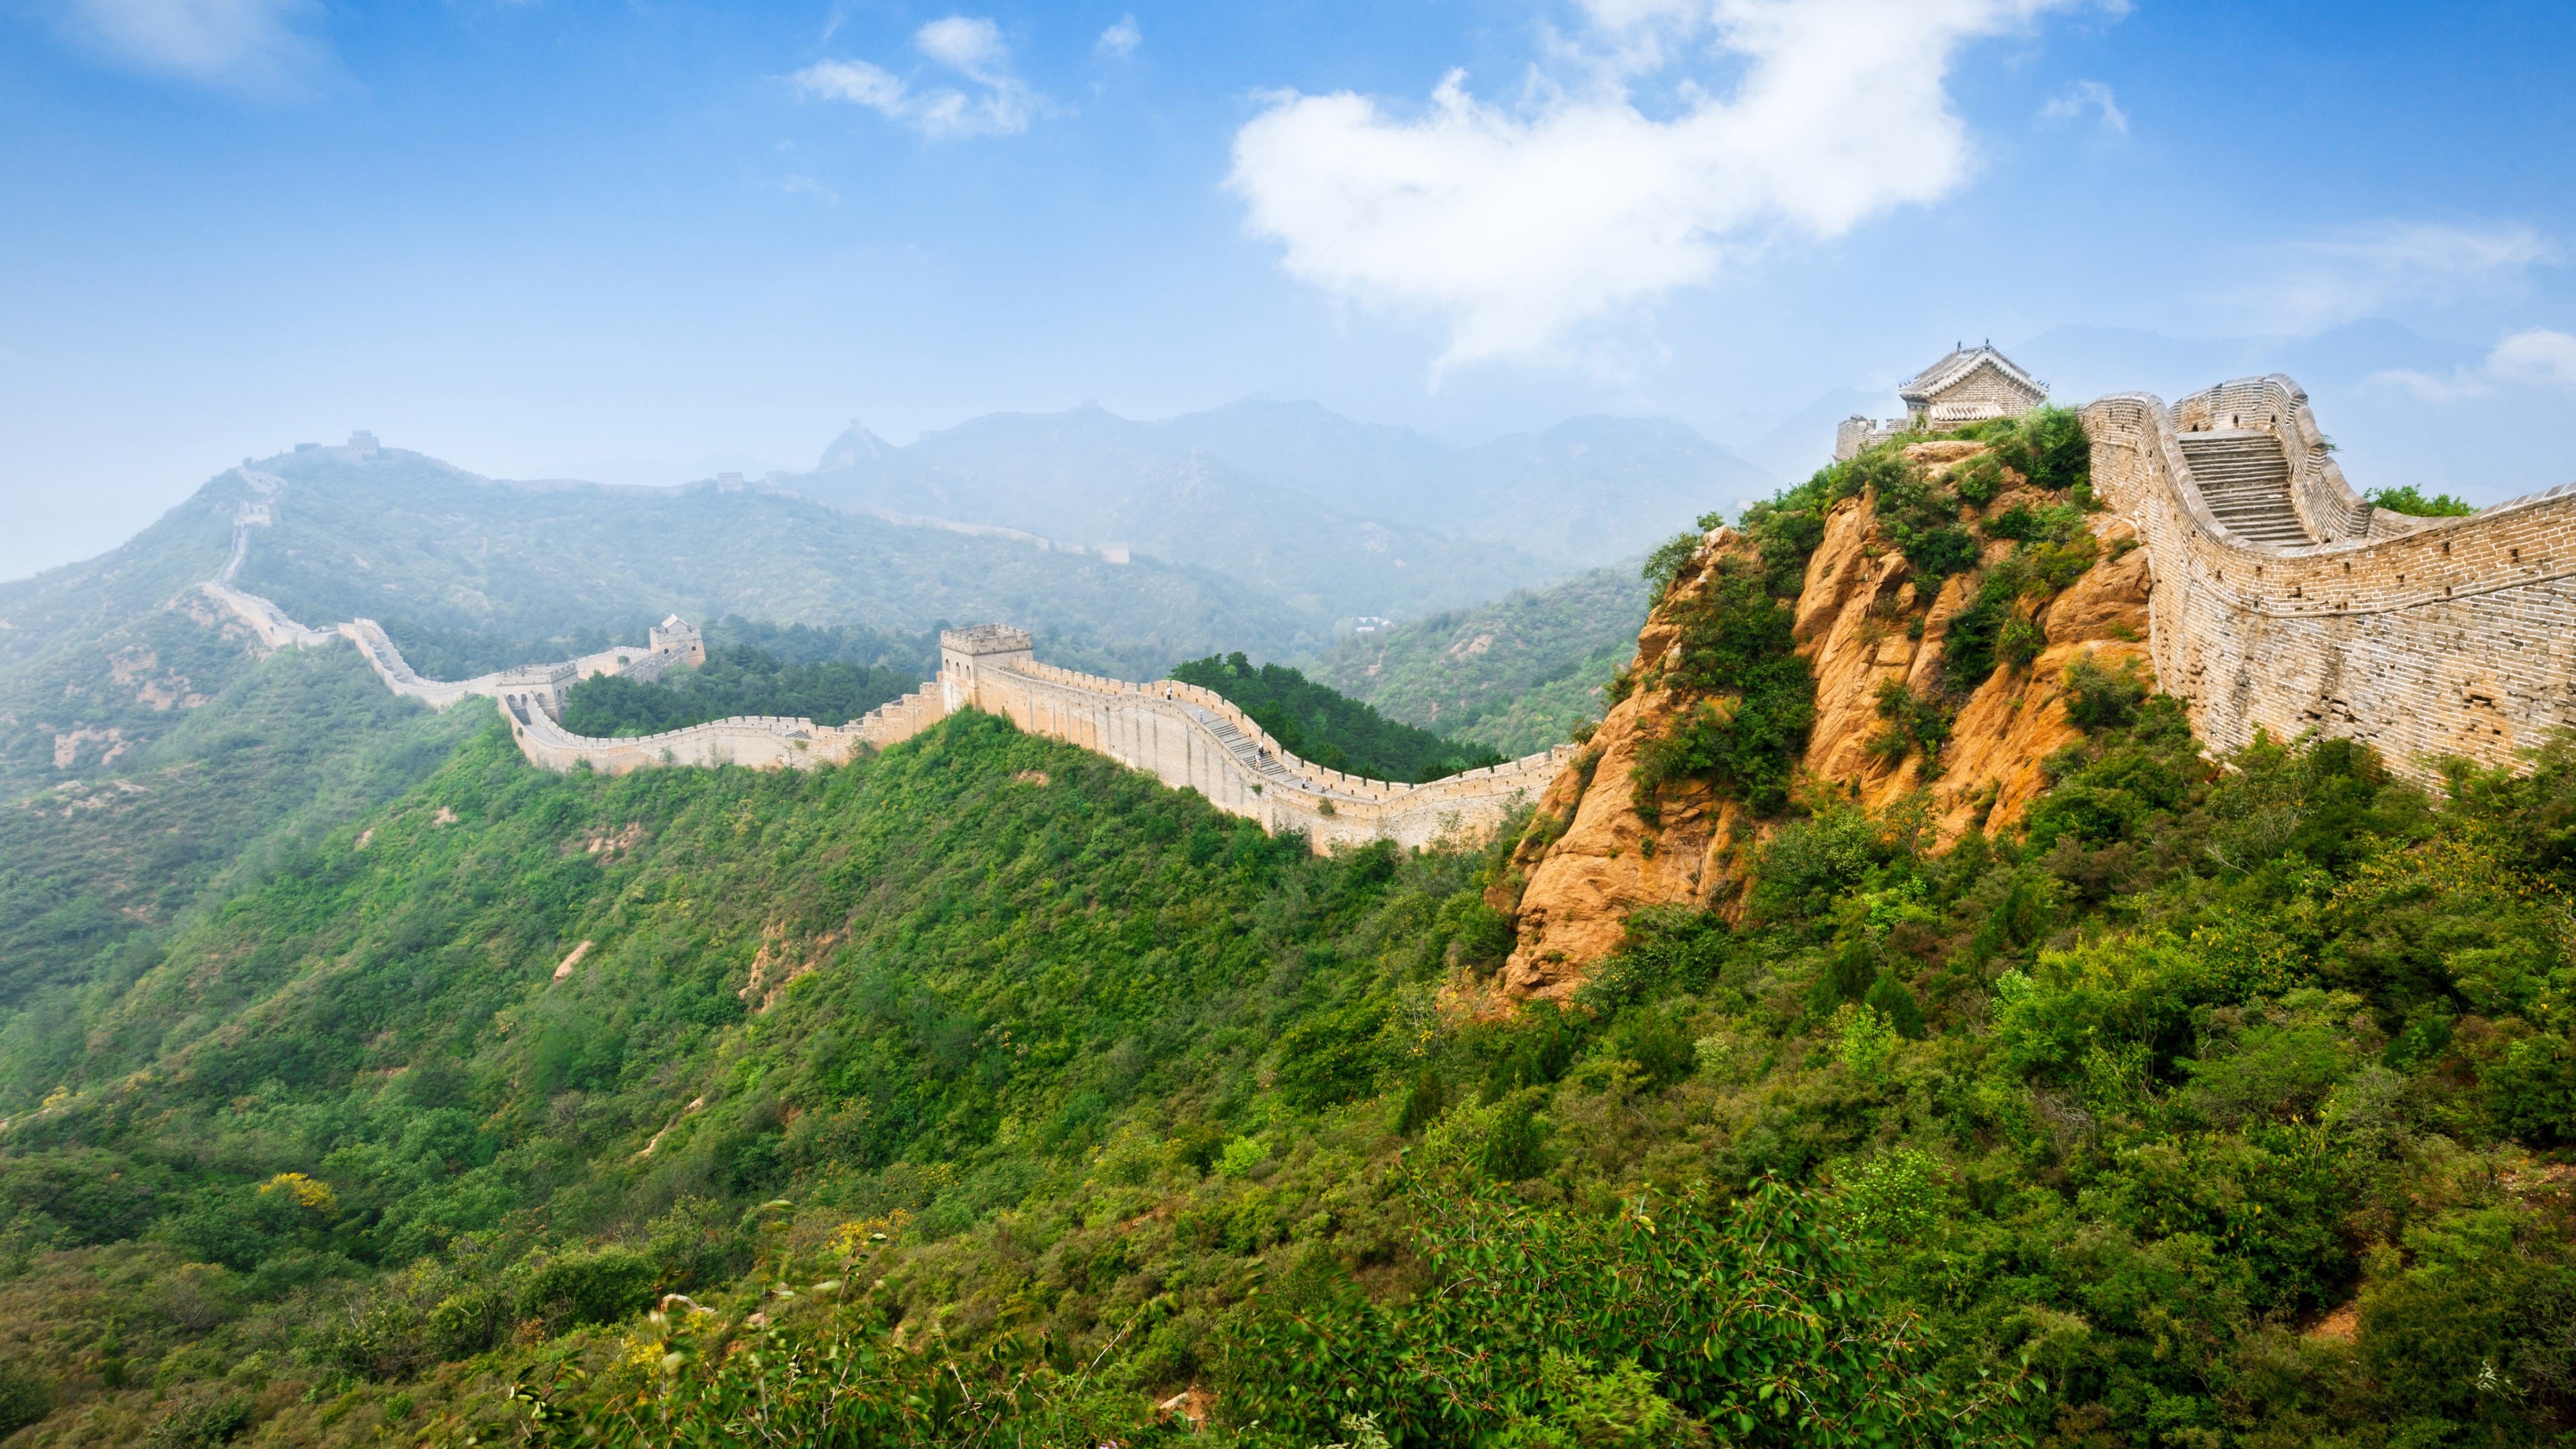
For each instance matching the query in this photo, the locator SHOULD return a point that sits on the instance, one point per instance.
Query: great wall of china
(2282, 602)
(1185, 736)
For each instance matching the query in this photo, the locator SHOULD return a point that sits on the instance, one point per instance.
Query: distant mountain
(1090, 478)
(1804, 442)
(1304, 501)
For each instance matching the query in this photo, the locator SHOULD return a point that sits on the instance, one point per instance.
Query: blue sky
(543, 237)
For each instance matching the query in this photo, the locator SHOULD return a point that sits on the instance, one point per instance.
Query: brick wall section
(2425, 637)
(1165, 729)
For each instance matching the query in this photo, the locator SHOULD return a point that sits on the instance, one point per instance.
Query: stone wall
(2425, 637)
(1179, 734)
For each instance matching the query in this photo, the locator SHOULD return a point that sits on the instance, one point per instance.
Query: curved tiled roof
(1918, 389)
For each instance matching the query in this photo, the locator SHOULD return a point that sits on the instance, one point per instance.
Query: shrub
(1978, 479)
(2099, 699)
(201, 1426)
(1674, 554)
(1711, 1306)
(1914, 722)
(2411, 501)
(2019, 642)
(1515, 1147)
(1657, 1045)
(1331, 1059)
(595, 1287)
(1736, 641)
(1241, 1156)
(26, 1395)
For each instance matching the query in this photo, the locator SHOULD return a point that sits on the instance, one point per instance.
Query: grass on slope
(1320, 724)
(97, 874)
(99, 659)
(1514, 676)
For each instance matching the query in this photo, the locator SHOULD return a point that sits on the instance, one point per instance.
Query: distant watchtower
(1970, 385)
(964, 655)
(678, 636)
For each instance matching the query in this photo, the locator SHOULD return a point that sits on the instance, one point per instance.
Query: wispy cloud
(2538, 358)
(2324, 282)
(1120, 40)
(795, 185)
(1518, 224)
(1000, 104)
(252, 47)
(2086, 96)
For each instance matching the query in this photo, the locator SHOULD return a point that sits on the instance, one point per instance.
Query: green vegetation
(96, 875)
(1320, 724)
(1515, 676)
(983, 1091)
(1735, 646)
(734, 680)
(1018, 1094)
(2412, 501)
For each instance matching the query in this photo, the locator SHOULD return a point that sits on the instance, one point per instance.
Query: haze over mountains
(1259, 480)
(1263, 527)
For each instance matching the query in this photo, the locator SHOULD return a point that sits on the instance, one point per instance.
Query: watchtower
(966, 654)
(1970, 385)
(676, 635)
(536, 687)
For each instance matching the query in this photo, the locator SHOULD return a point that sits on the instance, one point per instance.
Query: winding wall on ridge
(2424, 637)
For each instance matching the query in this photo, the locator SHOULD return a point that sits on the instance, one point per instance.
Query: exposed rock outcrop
(1591, 859)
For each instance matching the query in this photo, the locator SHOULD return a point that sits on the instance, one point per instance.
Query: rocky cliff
(1880, 652)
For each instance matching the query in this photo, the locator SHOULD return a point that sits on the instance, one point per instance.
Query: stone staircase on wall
(2244, 477)
(1240, 745)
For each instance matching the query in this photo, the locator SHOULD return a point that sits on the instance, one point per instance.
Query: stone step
(2244, 478)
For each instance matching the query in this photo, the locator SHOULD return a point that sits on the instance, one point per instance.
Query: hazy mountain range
(1273, 488)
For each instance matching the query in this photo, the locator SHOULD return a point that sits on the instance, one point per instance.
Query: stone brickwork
(2424, 637)
(1192, 738)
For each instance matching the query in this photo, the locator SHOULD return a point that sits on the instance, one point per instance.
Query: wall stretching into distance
(1187, 737)
(2424, 637)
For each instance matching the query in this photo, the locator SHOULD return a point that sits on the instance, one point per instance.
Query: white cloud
(2088, 96)
(795, 185)
(252, 46)
(973, 48)
(1519, 224)
(1120, 40)
(2538, 357)
(2315, 284)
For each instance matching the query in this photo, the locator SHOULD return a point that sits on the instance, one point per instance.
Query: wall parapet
(2425, 637)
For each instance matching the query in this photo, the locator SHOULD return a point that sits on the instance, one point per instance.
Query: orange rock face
(1591, 860)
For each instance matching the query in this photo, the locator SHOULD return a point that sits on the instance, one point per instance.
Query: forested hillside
(2223, 1106)
(360, 1082)
(1514, 676)
(735, 680)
